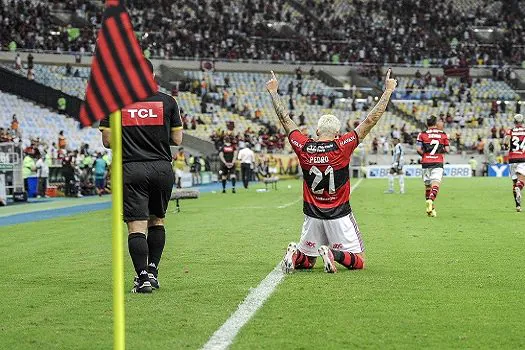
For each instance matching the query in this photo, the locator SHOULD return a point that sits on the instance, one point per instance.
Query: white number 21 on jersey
(319, 177)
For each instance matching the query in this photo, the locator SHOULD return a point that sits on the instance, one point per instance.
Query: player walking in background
(432, 144)
(147, 127)
(514, 141)
(179, 163)
(227, 155)
(330, 229)
(247, 159)
(398, 161)
(100, 168)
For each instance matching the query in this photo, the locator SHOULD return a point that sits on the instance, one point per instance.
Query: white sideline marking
(290, 204)
(224, 336)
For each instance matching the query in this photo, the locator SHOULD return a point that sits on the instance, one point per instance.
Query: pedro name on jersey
(326, 173)
(433, 142)
(517, 144)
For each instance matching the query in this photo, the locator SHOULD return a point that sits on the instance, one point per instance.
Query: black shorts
(225, 171)
(147, 189)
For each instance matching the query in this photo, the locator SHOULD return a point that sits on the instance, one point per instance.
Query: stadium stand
(313, 101)
(253, 113)
(40, 123)
(472, 110)
(337, 31)
(253, 118)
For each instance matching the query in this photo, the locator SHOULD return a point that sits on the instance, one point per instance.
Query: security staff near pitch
(147, 129)
(247, 159)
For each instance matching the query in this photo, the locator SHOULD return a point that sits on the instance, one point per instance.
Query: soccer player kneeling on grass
(514, 141)
(329, 228)
(432, 145)
(147, 127)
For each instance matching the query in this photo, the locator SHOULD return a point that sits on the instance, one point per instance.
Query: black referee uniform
(148, 178)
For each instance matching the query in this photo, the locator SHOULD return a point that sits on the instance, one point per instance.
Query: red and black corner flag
(120, 74)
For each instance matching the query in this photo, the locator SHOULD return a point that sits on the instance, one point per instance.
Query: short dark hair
(150, 65)
(432, 121)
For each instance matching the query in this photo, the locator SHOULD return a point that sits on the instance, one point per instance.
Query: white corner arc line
(224, 336)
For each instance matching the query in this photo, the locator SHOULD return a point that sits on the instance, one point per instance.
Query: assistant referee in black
(148, 127)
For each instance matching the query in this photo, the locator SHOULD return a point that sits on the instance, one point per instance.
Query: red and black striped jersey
(326, 174)
(228, 151)
(433, 142)
(516, 136)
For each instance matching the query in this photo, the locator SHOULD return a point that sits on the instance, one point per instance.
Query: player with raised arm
(432, 145)
(329, 229)
(227, 155)
(398, 161)
(514, 142)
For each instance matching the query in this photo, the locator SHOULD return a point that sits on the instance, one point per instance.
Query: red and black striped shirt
(517, 144)
(326, 174)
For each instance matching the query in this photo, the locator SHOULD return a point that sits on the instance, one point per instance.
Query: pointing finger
(388, 73)
(273, 75)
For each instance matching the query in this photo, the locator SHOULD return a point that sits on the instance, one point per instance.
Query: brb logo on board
(143, 114)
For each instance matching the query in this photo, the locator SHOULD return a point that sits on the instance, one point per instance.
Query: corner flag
(119, 77)
(119, 72)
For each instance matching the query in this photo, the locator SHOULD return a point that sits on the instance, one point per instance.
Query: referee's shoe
(142, 284)
(152, 275)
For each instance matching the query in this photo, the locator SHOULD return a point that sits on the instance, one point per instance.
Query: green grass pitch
(455, 281)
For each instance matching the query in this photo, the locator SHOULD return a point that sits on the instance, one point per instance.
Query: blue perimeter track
(45, 214)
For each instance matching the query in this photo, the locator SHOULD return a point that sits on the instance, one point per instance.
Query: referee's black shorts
(147, 189)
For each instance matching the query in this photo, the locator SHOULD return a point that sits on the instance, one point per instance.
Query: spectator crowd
(405, 31)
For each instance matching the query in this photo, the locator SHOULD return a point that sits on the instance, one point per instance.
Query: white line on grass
(224, 336)
(290, 204)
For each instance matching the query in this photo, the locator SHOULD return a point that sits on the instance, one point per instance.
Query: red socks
(433, 192)
(302, 261)
(349, 260)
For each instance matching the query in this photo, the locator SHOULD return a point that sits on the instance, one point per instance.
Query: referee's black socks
(138, 250)
(156, 242)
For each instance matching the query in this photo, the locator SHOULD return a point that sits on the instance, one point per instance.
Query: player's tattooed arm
(284, 117)
(375, 114)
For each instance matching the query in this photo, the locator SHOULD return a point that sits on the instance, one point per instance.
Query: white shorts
(339, 234)
(272, 170)
(515, 169)
(432, 175)
(178, 172)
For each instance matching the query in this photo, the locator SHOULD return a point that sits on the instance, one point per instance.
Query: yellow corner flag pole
(119, 338)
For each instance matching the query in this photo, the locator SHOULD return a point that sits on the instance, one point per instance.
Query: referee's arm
(176, 135)
(176, 124)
